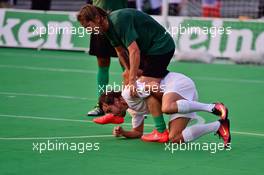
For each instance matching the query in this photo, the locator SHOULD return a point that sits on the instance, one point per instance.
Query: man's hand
(132, 84)
(118, 131)
(125, 75)
(133, 89)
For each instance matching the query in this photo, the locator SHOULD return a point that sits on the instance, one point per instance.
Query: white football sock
(185, 106)
(195, 131)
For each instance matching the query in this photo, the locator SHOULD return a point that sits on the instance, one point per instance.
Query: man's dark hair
(108, 98)
(89, 12)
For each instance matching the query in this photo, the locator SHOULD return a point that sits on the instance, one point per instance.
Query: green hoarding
(218, 37)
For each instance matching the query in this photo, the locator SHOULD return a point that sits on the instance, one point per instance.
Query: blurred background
(48, 82)
(226, 8)
(243, 18)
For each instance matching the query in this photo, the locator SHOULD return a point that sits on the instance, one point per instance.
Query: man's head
(93, 17)
(112, 102)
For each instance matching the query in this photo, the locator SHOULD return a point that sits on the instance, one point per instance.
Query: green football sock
(102, 79)
(159, 123)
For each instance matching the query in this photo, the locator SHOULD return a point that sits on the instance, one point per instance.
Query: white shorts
(172, 83)
(182, 85)
(137, 107)
(137, 119)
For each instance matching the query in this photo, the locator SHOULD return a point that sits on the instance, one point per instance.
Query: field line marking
(247, 133)
(119, 73)
(228, 80)
(55, 137)
(127, 124)
(46, 95)
(46, 56)
(55, 69)
(45, 118)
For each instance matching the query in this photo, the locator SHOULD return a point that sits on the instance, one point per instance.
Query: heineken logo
(217, 37)
(41, 30)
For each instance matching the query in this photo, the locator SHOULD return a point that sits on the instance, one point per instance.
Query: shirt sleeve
(137, 104)
(137, 108)
(127, 31)
(112, 37)
(137, 119)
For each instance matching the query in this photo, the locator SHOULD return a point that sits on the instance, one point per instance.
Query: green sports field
(44, 96)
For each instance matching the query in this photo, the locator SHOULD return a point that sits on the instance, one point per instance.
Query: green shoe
(96, 111)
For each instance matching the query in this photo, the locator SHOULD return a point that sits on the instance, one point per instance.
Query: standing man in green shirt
(102, 49)
(147, 43)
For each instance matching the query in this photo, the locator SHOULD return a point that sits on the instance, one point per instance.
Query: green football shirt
(128, 25)
(110, 5)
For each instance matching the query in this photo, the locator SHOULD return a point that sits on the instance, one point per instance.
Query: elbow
(134, 52)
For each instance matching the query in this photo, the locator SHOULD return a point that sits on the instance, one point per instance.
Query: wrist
(121, 133)
(132, 80)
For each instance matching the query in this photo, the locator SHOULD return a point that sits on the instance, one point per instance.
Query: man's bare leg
(154, 107)
(175, 129)
(160, 134)
(179, 132)
(174, 103)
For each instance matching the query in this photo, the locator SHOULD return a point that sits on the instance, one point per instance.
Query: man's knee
(153, 102)
(154, 106)
(165, 108)
(103, 62)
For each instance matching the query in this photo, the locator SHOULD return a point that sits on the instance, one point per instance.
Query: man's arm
(133, 133)
(134, 61)
(124, 60)
(123, 56)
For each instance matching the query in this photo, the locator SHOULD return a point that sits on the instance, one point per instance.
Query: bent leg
(169, 103)
(179, 133)
(102, 74)
(176, 127)
(195, 131)
(174, 103)
(154, 107)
